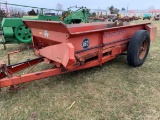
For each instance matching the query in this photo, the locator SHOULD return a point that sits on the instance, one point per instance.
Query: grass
(114, 91)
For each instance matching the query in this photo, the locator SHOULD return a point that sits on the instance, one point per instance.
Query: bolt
(25, 33)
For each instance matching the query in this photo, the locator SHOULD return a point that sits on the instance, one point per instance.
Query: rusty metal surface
(74, 29)
(61, 53)
(49, 33)
(152, 31)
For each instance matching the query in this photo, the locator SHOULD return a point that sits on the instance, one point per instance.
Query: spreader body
(80, 46)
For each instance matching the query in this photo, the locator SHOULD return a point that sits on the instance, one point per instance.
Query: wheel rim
(23, 34)
(143, 49)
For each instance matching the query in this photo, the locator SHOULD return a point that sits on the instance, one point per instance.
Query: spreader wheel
(23, 34)
(138, 48)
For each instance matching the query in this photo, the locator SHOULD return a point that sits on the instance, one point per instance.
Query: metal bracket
(10, 53)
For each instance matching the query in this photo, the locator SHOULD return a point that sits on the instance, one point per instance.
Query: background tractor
(75, 17)
(147, 16)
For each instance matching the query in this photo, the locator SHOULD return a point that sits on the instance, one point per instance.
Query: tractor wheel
(138, 48)
(23, 34)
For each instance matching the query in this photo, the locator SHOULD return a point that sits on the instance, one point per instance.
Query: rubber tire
(134, 48)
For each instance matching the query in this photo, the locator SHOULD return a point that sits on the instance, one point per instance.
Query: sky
(91, 4)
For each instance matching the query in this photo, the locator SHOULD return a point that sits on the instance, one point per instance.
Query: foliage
(2, 13)
(59, 7)
(113, 10)
(16, 12)
(123, 8)
(32, 12)
(37, 12)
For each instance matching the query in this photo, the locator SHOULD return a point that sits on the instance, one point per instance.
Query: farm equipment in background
(109, 18)
(14, 31)
(96, 19)
(113, 19)
(147, 16)
(125, 19)
(79, 46)
(93, 17)
(119, 17)
(157, 17)
(75, 17)
(135, 18)
(128, 19)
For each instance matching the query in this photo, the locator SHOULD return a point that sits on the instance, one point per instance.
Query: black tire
(138, 48)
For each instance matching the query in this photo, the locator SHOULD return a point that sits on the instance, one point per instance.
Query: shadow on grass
(84, 76)
(73, 79)
(13, 47)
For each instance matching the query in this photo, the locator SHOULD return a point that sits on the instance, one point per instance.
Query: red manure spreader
(79, 46)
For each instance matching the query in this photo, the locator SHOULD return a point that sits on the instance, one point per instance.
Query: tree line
(32, 12)
(114, 10)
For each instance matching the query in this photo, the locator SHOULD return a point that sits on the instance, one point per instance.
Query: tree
(123, 8)
(2, 13)
(116, 11)
(113, 10)
(59, 7)
(17, 12)
(32, 12)
(37, 12)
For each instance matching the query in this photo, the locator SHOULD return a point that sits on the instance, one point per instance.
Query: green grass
(114, 91)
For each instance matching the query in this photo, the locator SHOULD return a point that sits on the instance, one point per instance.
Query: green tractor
(78, 16)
